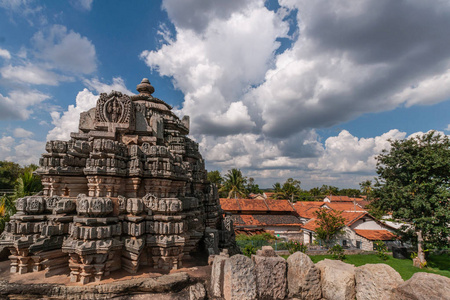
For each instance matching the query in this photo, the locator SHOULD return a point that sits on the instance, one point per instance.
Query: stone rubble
(376, 281)
(337, 279)
(303, 277)
(129, 189)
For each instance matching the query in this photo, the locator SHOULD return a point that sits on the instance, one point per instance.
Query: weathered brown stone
(270, 275)
(376, 281)
(217, 272)
(303, 277)
(337, 279)
(423, 286)
(239, 280)
(197, 292)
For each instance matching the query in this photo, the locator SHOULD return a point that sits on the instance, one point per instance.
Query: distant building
(264, 215)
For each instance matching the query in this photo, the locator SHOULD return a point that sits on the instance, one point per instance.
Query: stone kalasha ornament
(129, 189)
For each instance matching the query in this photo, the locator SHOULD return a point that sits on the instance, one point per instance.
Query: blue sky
(304, 89)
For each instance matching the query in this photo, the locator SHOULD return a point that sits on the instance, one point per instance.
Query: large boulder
(337, 280)
(376, 281)
(239, 279)
(217, 275)
(424, 286)
(303, 277)
(270, 274)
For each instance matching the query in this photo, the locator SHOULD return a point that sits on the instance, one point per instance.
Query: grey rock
(217, 275)
(303, 277)
(423, 286)
(270, 277)
(337, 280)
(197, 292)
(376, 281)
(239, 281)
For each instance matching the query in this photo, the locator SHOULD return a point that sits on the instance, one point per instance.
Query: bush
(257, 237)
(337, 252)
(249, 250)
(381, 249)
(294, 246)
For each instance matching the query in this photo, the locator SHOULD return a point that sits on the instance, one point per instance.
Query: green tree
(349, 192)
(366, 188)
(252, 187)
(234, 184)
(27, 184)
(9, 172)
(290, 190)
(215, 177)
(326, 190)
(329, 223)
(414, 185)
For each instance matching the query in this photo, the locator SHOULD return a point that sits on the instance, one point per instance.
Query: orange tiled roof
(266, 220)
(279, 205)
(376, 235)
(352, 217)
(306, 209)
(269, 195)
(253, 205)
(229, 204)
(311, 225)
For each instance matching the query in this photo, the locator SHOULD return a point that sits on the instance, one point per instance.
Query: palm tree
(234, 184)
(27, 184)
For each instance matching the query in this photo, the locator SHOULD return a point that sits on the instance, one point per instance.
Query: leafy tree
(252, 187)
(290, 190)
(366, 188)
(349, 192)
(27, 184)
(215, 177)
(329, 223)
(329, 190)
(234, 184)
(9, 172)
(414, 185)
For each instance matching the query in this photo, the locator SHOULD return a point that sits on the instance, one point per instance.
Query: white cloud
(68, 122)
(448, 128)
(5, 54)
(6, 144)
(82, 4)
(118, 84)
(17, 104)
(32, 74)
(22, 133)
(66, 50)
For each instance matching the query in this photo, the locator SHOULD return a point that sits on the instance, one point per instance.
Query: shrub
(294, 246)
(381, 249)
(249, 250)
(337, 252)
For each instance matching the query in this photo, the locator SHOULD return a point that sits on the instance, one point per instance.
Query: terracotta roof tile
(253, 205)
(311, 225)
(306, 209)
(229, 204)
(376, 235)
(345, 206)
(266, 220)
(279, 205)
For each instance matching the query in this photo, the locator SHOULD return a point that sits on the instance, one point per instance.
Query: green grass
(437, 264)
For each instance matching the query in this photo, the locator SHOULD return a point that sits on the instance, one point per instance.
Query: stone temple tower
(128, 189)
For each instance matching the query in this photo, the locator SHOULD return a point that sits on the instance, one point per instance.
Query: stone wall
(268, 276)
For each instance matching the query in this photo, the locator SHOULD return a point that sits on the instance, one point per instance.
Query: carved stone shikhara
(128, 189)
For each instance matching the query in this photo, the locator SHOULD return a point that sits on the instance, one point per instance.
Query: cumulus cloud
(5, 54)
(17, 104)
(118, 84)
(22, 133)
(66, 50)
(33, 74)
(68, 121)
(342, 60)
(23, 151)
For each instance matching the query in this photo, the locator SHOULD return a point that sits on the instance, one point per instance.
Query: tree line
(235, 185)
(15, 182)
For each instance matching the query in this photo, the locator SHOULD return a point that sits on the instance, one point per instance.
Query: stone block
(337, 280)
(266, 251)
(303, 277)
(239, 279)
(423, 286)
(376, 281)
(271, 279)
(217, 275)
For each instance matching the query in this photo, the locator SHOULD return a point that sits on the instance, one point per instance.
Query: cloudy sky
(306, 89)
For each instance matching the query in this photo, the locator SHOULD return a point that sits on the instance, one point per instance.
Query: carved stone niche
(114, 108)
(135, 206)
(94, 206)
(64, 206)
(33, 205)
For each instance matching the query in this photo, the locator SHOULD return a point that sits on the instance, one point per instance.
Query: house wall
(369, 224)
(351, 237)
(286, 233)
